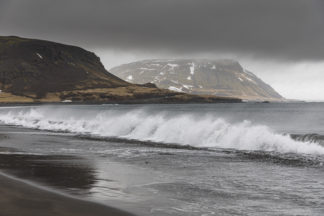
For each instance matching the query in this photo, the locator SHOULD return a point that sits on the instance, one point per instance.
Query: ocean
(193, 159)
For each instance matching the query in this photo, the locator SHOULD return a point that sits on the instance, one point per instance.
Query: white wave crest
(183, 129)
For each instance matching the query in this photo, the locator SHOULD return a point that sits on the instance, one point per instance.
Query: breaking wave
(192, 129)
(308, 137)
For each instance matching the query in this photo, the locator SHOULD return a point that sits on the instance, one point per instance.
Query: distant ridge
(199, 76)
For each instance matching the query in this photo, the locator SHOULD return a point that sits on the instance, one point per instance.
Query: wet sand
(19, 198)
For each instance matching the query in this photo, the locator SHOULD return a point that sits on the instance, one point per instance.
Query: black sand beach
(19, 198)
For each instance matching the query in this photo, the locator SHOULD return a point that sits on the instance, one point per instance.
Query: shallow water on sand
(174, 159)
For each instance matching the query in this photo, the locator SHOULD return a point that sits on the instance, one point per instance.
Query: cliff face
(212, 77)
(38, 67)
(43, 71)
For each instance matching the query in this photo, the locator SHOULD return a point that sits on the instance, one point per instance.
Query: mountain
(43, 71)
(202, 77)
(28, 66)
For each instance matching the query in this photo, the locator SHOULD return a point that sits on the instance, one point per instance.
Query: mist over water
(207, 126)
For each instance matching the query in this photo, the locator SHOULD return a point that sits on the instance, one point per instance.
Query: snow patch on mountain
(192, 68)
(129, 78)
(187, 86)
(172, 65)
(172, 88)
(249, 79)
(39, 55)
(142, 68)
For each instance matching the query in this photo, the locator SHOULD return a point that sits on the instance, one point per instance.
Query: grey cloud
(287, 29)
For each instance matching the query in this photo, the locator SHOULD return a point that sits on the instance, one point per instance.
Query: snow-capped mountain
(213, 77)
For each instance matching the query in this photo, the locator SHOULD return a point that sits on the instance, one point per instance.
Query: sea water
(195, 159)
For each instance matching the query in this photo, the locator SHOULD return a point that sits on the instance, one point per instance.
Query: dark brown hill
(36, 66)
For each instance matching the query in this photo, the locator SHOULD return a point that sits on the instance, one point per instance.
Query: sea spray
(208, 130)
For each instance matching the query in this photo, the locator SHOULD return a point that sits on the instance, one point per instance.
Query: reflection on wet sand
(71, 172)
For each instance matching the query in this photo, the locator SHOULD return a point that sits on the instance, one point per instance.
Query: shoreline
(3, 104)
(130, 102)
(23, 198)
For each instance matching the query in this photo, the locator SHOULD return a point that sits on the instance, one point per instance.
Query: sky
(281, 41)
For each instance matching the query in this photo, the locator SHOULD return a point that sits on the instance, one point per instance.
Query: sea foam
(192, 129)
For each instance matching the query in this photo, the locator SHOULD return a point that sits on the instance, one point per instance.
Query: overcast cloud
(289, 31)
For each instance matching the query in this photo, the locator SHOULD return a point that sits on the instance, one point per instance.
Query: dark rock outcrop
(34, 66)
